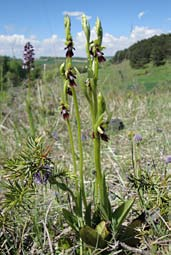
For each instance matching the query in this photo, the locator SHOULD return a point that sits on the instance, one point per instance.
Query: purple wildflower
(55, 135)
(137, 138)
(28, 56)
(168, 159)
(42, 176)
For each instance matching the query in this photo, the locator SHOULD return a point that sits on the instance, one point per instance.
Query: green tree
(157, 56)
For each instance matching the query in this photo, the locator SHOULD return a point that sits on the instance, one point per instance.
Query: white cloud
(76, 14)
(114, 44)
(12, 45)
(141, 14)
(139, 33)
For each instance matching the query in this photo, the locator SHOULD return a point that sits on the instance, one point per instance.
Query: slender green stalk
(95, 102)
(97, 161)
(72, 151)
(79, 146)
(29, 109)
(93, 66)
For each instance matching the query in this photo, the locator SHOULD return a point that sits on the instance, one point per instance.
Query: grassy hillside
(141, 99)
(155, 49)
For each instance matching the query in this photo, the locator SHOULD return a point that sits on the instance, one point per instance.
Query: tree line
(156, 49)
(13, 74)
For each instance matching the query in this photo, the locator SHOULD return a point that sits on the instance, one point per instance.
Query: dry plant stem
(132, 249)
(49, 240)
(136, 172)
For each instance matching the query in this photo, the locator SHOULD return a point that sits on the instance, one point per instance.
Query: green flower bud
(99, 31)
(95, 68)
(67, 25)
(86, 27)
(62, 69)
(101, 104)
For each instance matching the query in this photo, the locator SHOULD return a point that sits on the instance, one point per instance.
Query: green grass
(122, 76)
(140, 99)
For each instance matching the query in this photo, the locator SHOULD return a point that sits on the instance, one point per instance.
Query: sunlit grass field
(141, 99)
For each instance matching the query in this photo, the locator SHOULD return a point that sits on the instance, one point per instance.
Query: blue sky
(41, 22)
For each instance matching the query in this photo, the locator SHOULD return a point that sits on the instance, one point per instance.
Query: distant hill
(57, 60)
(156, 49)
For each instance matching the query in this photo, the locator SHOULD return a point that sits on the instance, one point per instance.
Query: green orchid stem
(99, 179)
(95, 101)
(72, 152)
(79, 145)
(29, 109)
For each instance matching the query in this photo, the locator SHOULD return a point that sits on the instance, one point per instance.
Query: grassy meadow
(45, 207)
(141, 99)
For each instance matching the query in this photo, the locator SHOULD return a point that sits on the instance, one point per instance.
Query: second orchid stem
(77, 114)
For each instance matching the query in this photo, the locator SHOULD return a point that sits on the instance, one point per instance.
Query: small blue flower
(42, 176)
(55, 135)
(137, 138)
(168, 159)
(84, 137)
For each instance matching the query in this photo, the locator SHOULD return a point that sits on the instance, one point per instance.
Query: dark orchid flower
(96, 52)
(100, 56)
(28, 56)
(65, 112)
(71, 77)
(69, 91)
(104, 137)
(101, 133)
(70, 48)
